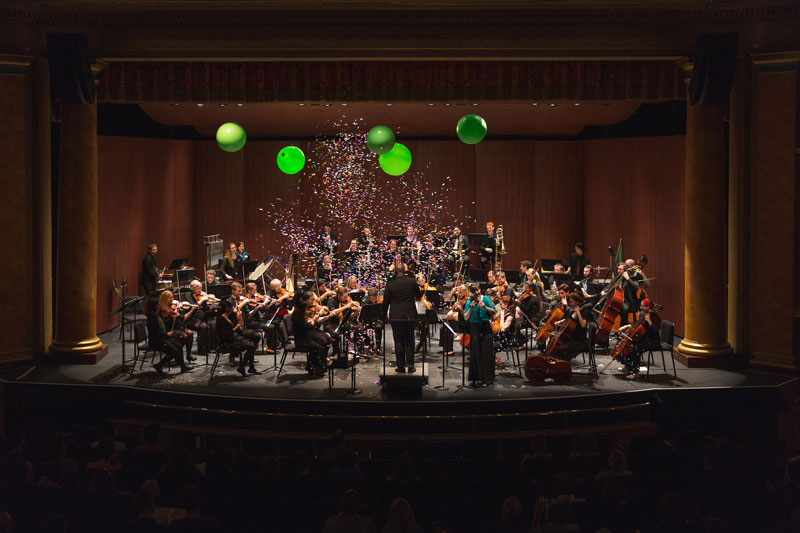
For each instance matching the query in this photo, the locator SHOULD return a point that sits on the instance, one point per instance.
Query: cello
(550, 324)
(628, 341)
(612, 304)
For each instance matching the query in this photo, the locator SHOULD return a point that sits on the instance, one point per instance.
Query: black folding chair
(143, 347)
(667, 339)
(284, 329)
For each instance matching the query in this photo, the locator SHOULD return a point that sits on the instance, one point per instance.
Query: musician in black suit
(399, 300)
(457, 248)
(487, 253)
(150, 273)
(578, 260)
(629, 288)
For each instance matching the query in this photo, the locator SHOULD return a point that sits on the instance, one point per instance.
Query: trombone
(500, 246)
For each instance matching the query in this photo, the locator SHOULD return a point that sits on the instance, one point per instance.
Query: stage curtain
(276, 81)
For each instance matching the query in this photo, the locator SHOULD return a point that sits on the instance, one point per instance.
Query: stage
(266, 403)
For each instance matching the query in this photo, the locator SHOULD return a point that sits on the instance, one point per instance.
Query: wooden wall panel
(557, 208)
(634, 190)
(547, 195)
(145, 191)
(219, 195)
(772, 204)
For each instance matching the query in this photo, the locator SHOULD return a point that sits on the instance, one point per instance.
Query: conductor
(398, 299)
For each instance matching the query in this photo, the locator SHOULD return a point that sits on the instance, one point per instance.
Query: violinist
(336, 322)
(507, 337)
(411, 246)
(200, 319)
(305, 320)
(366, 242)
(230, 328)
(211, 277)
(326, 295)
(150, 274)
(502, 285)
(325, 268)
(280, 297)
(651, 339)
(238, 304)
(374, 298)
(581, 313)
(491, 278)
(455, 318)
(254, 318)
(231, 265)
(352, 287)
(241, 254)
(161, 337)
(577, 261)
(524, 266)
(479, 311)
(528, 303)
(391, 254)
(423, 305)
(629, 288)
(487, 252)
(173, 331)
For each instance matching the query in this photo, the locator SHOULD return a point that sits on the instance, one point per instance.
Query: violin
(172, 312)
(210, 298)
(256, 299)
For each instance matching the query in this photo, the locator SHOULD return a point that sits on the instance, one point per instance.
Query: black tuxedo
(399, 299)
(576, 264)
(149, 273)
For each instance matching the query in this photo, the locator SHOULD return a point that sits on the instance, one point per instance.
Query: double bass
(560, 338)
(612, 304)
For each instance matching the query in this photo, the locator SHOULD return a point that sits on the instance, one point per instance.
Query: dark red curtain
(343, 81)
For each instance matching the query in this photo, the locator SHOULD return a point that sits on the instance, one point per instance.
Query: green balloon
(471, 129)
(397, 161)
(380, 139)
(231, 137)
(291, 160)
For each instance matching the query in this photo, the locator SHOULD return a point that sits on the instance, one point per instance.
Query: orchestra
(552, 308)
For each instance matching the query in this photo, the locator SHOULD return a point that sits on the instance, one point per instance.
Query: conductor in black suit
(399, 299)
(150, 273)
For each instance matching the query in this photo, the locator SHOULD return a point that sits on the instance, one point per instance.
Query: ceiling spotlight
(344, 104)
(475, 104)
(239, 105)
(551, 105)
(388, 104)
(430, 104)
(302, 105)
(576, 104)
(327, 105)
(174, 104)
(200, 105)
(222, 105)
(447, 105)
(534, 103)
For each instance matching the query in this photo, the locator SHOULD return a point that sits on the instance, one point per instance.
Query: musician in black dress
(529, 304)
(171, 324)
(581, 313)
(241, 254)
(159, 337)
(399, 304)
(229, 329)
(231, 265)
(238, 303)
(336, 321)
(150, 275)
(455, 319)
(255, 316)
(651, 339)
(305, 321)
(578, 260)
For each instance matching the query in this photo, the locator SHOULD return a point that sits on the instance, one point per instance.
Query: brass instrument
(500, 245)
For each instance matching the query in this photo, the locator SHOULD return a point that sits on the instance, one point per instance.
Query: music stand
(126, 304)
(548, 265)
(434, 297)
(358, 296)
(370, 313)
(183, 275)
(478, 239)
(222, 290)
(512, 276)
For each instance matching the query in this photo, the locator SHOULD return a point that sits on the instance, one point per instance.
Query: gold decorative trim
(13, 60)
(80, 347)
(704, 349)
(777, 58)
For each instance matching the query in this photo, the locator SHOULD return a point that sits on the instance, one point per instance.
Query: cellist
(650, 341)
(629, 287)
(581, 313)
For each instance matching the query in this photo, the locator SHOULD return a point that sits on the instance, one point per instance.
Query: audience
(55, 482)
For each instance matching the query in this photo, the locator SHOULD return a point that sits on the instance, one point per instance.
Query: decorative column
(76, 340)
(705, 344)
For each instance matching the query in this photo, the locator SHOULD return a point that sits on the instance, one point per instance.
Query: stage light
(576, 104)
(534, 103)
(430, 104)
(551, 105)
(200, 105)
(302, 105)
(388, 104)
(447, 105)
(222, 105)
(174, 104)
(327, 105)
(475, 104)
(239, 105)
(344, 104)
